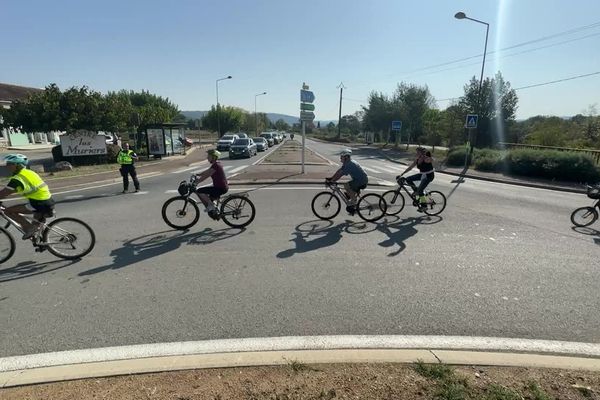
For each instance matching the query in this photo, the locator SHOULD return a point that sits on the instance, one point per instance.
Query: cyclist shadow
(27, 269)
(589, 232)
(156, 244)
(317, 234)
(398, 231)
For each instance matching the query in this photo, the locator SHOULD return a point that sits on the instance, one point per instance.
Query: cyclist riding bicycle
(359, 179)
(209, 193)
(424, 162)
(29, 185)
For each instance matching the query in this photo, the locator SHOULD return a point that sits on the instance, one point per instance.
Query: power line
(557, 81)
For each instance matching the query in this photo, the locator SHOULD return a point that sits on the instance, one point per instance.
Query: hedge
(550, 164)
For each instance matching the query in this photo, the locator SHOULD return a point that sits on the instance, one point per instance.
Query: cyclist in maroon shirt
(209, 193)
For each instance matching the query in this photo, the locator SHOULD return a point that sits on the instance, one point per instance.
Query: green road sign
(307, 107)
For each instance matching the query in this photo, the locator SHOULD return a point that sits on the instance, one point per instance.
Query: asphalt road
(500, 261)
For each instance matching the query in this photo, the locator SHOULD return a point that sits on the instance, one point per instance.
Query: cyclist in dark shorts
(424, 162)
(28, 184)
(209, 193)
(358, 176)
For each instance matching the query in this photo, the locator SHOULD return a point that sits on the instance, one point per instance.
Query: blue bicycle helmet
(16, 159)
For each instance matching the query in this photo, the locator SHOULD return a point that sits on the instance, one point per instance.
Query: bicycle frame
(15, 223)
(335, 188)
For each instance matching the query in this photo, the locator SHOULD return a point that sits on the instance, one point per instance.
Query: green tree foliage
(496, 107)
(231, 119)
(281, 125)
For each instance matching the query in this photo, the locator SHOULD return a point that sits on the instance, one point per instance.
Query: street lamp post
(218, 111)
(255, 114)
(462, 15)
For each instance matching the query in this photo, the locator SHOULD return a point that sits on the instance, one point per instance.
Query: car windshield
(259, 139)
(241, 142)
(227, 137)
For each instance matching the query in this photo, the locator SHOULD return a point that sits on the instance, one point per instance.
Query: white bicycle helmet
(16, 159)
(345, 152)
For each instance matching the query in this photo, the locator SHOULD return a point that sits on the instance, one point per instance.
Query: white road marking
(75, 196)
(371, 169)
(237, 169)
(171, 191)
(140, 192)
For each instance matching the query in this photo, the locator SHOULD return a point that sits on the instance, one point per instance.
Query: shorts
(356, 186)
(43, 207)
(213, 192)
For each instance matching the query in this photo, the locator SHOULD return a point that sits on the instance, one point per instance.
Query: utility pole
(341, 87)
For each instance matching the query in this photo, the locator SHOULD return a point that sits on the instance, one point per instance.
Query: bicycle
(182, 212)
(435, 204)
(326, 205)
(61, 237)
(585, 216)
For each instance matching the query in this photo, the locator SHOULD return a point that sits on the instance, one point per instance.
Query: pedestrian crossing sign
(471, 121)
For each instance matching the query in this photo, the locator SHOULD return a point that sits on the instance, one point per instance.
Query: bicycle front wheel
(238, 211)
(68, 238)
(371, 207)
(180, 212)
(394, 201)
(436, 202)
(325, 205)
(7, 245)
(584, 216)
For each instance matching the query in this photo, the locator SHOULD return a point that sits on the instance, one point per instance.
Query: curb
(160, 357)
(295, 182)
(496, 180)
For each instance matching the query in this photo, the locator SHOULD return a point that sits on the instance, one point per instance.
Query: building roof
(11, 93)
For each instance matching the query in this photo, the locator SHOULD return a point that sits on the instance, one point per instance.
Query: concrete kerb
(488, 179)
(456, 350)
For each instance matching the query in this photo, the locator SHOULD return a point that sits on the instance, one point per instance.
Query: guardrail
(594, 154)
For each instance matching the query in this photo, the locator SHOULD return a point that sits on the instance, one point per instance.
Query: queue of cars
(241, 145)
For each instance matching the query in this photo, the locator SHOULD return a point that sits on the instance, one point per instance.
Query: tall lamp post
(255, 114)
(218, 111)
(462, 15)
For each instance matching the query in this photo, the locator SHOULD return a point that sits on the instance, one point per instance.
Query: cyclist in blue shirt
(358, 176)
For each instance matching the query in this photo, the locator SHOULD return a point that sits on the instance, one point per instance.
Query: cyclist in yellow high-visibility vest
(29, 185)
(126, 158)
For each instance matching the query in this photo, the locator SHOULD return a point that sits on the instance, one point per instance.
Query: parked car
(242, 148)
(226, 141)
(275, 136)
(269, 137)
(242, 135)
(261, 143)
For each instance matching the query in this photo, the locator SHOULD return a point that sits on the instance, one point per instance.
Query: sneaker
(214, 214)
(351, 210)
(124, 191)
(421, 207)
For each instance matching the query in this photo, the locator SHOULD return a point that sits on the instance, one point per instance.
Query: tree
(432, 122)
(330, 127)
(231, 119)
(413, 102)
(350, 124)
(495, 107)
(281, 125)
(452, 124)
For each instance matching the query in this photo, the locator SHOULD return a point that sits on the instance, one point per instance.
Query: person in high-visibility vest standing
(30, 185)
(126, 158)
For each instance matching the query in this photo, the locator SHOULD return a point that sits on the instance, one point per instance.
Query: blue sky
(178, 49)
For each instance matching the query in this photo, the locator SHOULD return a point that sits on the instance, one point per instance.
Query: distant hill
(273, 117)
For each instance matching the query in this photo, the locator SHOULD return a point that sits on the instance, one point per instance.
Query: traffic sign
(396, 125)
(307, 107)
(306, 96)
(307, 116)
(471, 121)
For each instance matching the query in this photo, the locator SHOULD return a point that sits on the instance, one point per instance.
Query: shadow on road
(26, 269)
(589, 232)
(318, 234)
(155, 244)
(397, 232)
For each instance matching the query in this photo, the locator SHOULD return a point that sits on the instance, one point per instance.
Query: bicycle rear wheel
(325, 205)
(68, 238)
(180, 212)
(436, 202)
(7, 245)
(371, 207)
(394, 201)
(584, 216)
(237, 211)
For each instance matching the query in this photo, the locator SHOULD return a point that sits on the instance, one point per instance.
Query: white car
(226, 141)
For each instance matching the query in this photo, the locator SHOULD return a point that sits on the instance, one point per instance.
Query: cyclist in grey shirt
(358, 176)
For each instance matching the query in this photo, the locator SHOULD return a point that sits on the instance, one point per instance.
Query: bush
(489, 160)
(110, 157)
(553, 164)
(456, 157)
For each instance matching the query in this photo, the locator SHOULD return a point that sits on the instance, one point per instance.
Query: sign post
(397, 127)
(306, 114)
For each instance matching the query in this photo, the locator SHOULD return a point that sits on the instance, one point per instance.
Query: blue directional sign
(306, 96)
(396, 125)
(471, 121)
